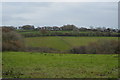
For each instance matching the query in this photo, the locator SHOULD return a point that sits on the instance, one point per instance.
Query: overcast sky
(104, 14)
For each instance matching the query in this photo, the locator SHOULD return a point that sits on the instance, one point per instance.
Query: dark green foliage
(68, 27)
(27, 27)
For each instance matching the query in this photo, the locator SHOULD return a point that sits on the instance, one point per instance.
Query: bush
(99, 47)
(103, 47)
(0, 39)
(11, 40)
(79, 50)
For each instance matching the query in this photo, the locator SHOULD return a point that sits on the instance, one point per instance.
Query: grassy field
(42, 65)
(62, 43)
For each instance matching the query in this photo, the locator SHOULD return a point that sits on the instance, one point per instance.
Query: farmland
(62, 43)
(59, 56)
(43, 65)
(59, 40)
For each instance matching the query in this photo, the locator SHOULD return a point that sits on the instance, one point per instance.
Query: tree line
(68, 27)
(66, 30)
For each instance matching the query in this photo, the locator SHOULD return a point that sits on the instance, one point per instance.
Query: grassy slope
(37, 65)
(53, 42)
(62, 43)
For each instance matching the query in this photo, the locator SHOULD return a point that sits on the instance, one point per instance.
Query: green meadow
(43, 65)
(62, 43)
(56, 65)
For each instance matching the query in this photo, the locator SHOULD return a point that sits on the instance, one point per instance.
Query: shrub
(0, 39)
(99, 47)
(79, 50)
(11, 40)
(103, 47)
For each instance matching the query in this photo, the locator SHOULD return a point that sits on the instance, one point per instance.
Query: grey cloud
(51, 13)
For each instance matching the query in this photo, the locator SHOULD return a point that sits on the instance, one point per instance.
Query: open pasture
(62, 43)
(43, 65)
